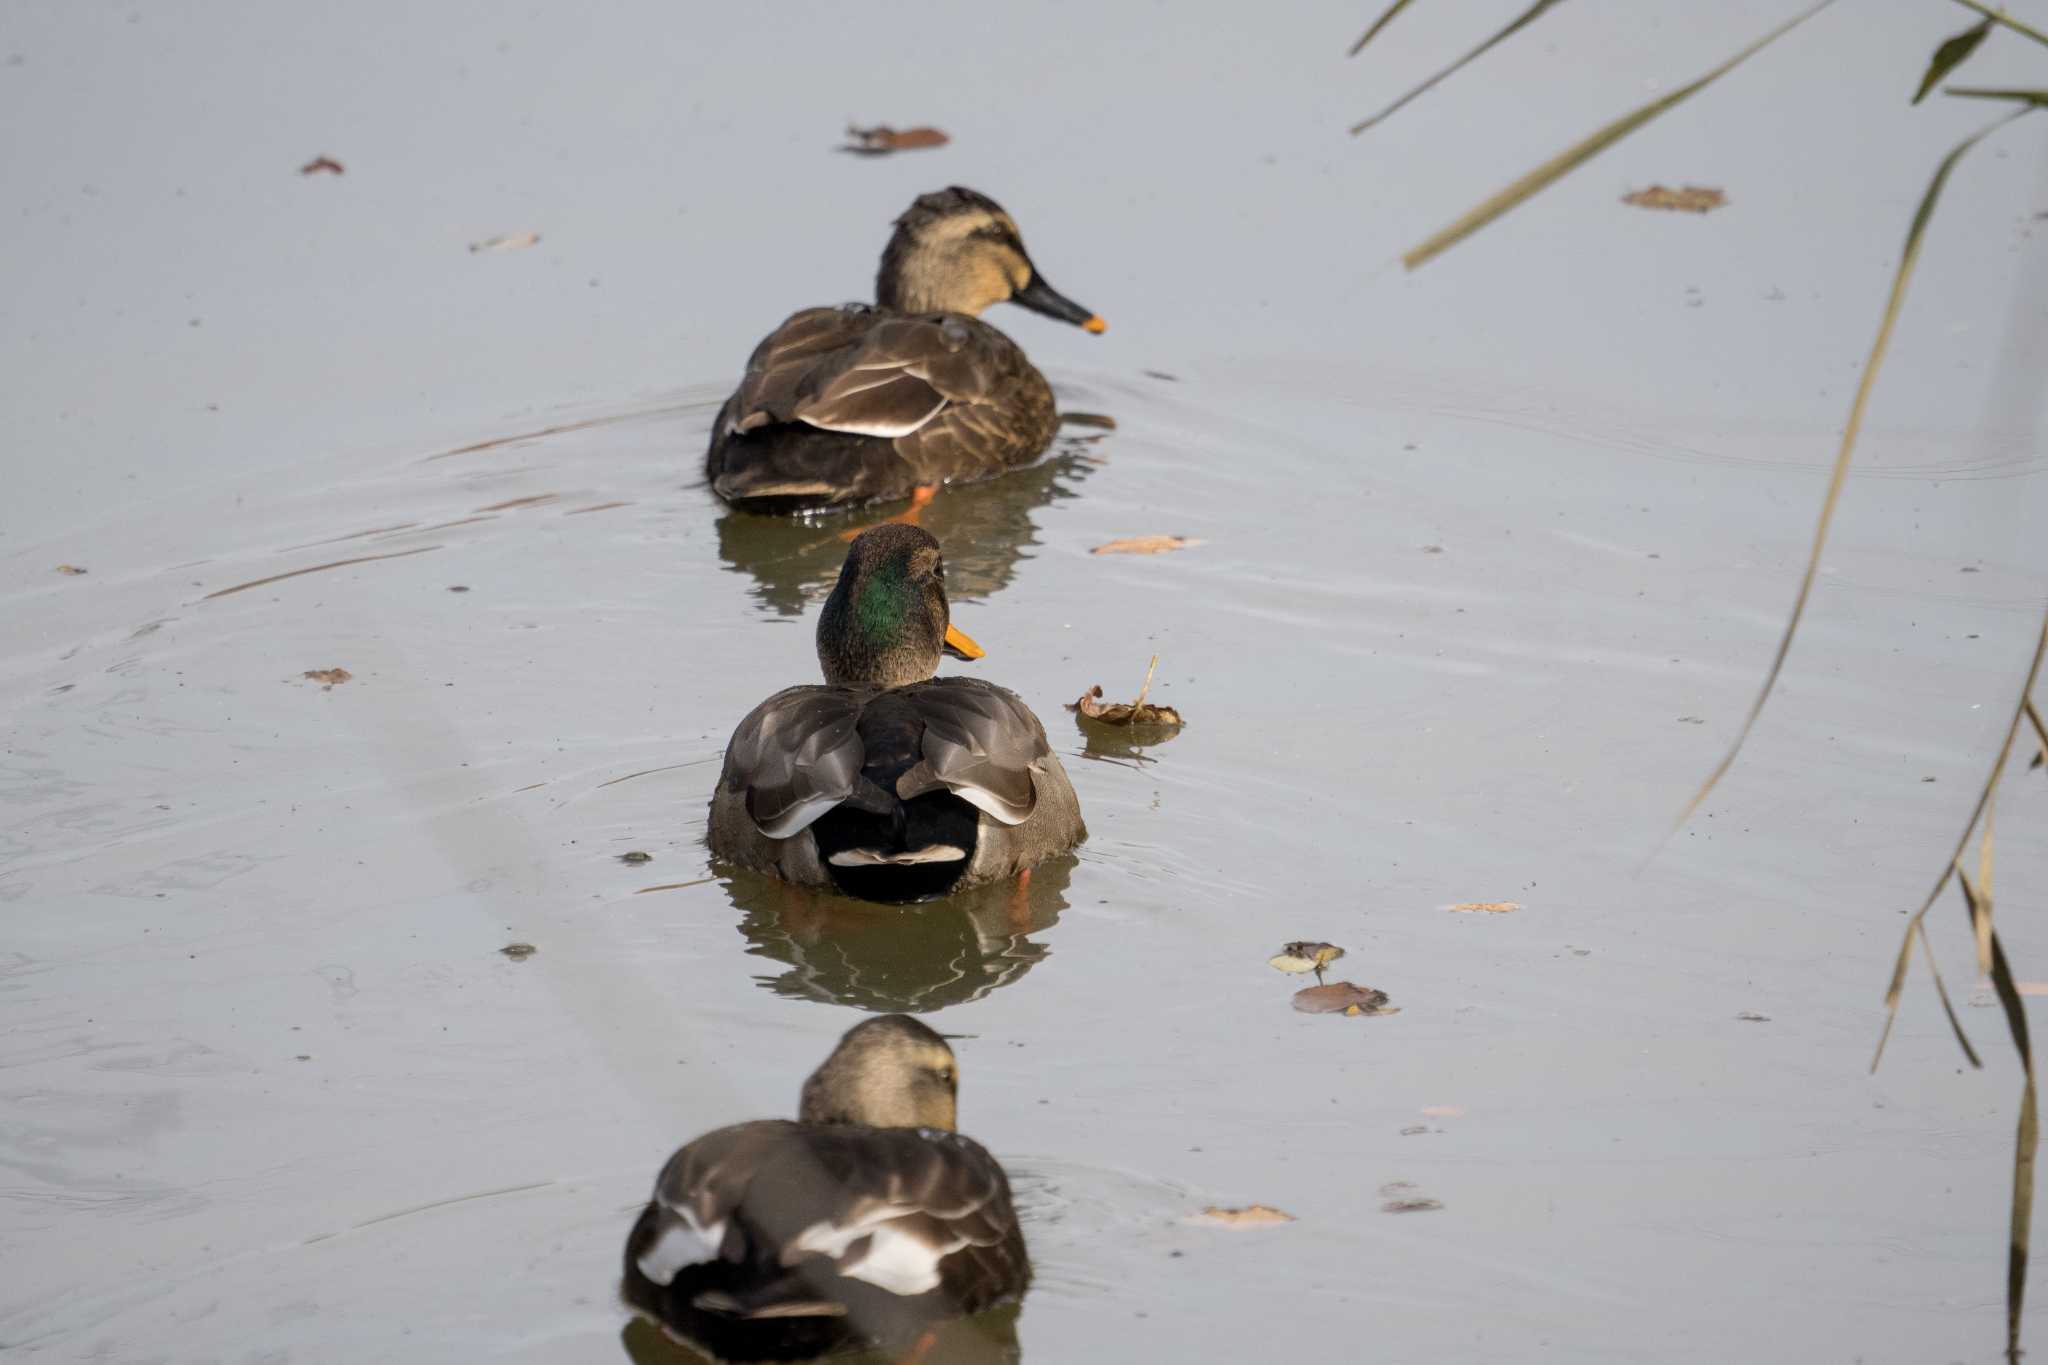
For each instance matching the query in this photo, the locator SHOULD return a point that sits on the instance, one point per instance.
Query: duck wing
(797, 755)
(860, 371)
(981, 742)
(786, 1220)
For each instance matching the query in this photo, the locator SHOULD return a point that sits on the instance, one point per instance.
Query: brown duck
(865, 1222)
(848, 405)
(888, 783)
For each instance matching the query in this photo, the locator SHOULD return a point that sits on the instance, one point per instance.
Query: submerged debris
(636, 857)
(1304, 955)
(881, 139)
(1250, 1216)
(1401, 1197)
(1090, 706)
(519, 952)
(1690, 199)
(1342, 997)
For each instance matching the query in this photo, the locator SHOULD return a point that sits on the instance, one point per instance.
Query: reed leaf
(2033, 99)
(1385, 18)
(1585, 150)
(1514, 26)
(2001, 17)
(1950, 55)
(1955, 862)
(1902, 277)
(1940, 989)
(2026, 1143)
(2040, 733)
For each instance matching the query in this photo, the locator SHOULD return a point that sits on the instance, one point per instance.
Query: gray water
(1490, 561)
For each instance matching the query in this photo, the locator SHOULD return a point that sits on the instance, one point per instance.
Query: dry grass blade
(2000, 17)
(2040, 732)
(1981, 920)
(1950, 55)
(1948, 1008)
(1385, 18)
(2033, 99)
(1579, 153)
(1955, 861)
(1514, 26)
(1903, 277)
(2026, 1143)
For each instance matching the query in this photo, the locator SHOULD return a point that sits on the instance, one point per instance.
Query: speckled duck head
(889, 1072)
(956, 251)
(887, 622)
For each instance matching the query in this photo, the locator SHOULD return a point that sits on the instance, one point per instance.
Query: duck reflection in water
(986, 529)
(883, 958)
(986, 1339)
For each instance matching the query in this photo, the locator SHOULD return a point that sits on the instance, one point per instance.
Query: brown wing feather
(796, 755)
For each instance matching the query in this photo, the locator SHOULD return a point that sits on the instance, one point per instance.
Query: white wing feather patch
(896, 1259)
(988, 805)
(799, 817)
(681, 1243)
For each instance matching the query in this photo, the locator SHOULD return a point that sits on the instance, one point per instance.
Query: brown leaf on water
(636, 857)
(1139, 712)
(1144, 545)
(1690, 199)
(881, 139)
(1250, 1216)
(72, 569)
(321, 165)
(1485, 907)
(510, 241)
(1342, 997)
(519, 952)
(329, 676)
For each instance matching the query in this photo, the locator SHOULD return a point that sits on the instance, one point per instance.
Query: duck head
(887, 622)
(889, 1072)
(956, 251)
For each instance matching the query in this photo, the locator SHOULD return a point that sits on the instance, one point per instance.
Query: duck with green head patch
(889, 783)
(849, 405)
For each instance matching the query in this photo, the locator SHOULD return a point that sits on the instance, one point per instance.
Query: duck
(868, 1221)
(856, 404)
(888, 783)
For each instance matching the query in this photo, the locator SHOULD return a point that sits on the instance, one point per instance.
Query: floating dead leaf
(1690, 199)
(881, 139)
(1485, 907)
(519, 952)
(71, 569)
(635, 858)
(1342, 997)
(1088, 419)
(1133, 713)
(511, 241)
(328, 677)
(1250, 1216)
(1415, 1130)
(1144, 545)
(1304, 955)
(1752, 1017)
(321, 165)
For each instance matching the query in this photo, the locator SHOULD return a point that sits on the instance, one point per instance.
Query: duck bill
(961, 645)
(1041, 297)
